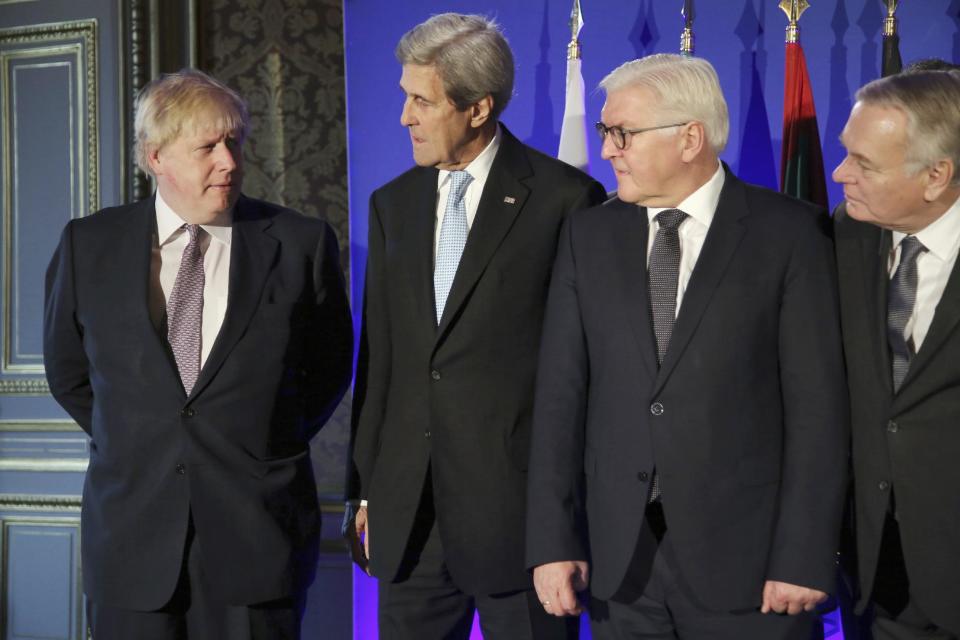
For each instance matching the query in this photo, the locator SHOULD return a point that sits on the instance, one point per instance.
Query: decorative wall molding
(72, 45)
(41, 425)
(44, 465)
(40, 503)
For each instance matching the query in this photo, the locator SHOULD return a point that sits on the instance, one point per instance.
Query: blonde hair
(685, 87)
(186, 100)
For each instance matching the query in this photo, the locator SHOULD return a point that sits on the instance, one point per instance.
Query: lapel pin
(510, 200)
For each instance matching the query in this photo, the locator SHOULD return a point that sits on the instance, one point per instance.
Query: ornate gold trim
(24, 502)
(24, 387)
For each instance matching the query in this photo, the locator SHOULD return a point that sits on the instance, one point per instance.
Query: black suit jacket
(235, 453)
(458, 398)
(745, 420)
(908, 442)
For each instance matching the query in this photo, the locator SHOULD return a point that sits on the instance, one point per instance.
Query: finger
(794, 608)
(810, 606)
(569, 605)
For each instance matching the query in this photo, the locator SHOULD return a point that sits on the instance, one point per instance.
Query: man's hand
(557, 583)
(357, 533)
(783, 597)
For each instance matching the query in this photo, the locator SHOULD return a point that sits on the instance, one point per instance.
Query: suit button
(181, 468)
(426, 434)
(656, 409)
(892, 427)
(435, 374)
(883, 485)
(189, 412)
(642, 476)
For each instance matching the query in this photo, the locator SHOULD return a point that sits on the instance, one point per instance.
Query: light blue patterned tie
(453, 238)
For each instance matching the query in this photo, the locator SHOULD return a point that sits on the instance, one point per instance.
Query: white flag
(573, 132)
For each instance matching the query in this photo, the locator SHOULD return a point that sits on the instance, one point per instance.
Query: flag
(573, 132)
(801, 161)
(892, 64)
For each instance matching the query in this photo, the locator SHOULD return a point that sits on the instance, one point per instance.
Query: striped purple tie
(185, 310)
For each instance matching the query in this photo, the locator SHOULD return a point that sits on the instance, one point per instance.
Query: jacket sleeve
(556, 521)
(373, 369)
(67, 367)
(815, 417)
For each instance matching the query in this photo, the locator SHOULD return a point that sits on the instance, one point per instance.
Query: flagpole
(892, 63)
(573, 132)
(686, 36)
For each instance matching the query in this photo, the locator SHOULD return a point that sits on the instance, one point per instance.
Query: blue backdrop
(743, 39)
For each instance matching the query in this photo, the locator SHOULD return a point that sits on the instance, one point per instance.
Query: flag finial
(576, 24)
(794, 9)
(686, 37)
(890, 22)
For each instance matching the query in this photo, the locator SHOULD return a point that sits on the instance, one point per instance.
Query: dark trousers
(425, 602)
(194, 613)
(655, 602)
(896, 615)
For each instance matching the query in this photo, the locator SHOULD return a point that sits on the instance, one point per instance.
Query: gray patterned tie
(901, 298)
(453, 238)
(664, 274)
(185, 310)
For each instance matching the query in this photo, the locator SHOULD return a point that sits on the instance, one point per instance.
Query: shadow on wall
(756, 162)
(542, 133)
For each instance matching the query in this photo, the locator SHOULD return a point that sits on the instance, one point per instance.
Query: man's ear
(481, 111)
(693, 140)
(153, 159)
(939, 177)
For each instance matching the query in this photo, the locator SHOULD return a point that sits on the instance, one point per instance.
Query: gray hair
(685, 87)
(470, 54)
(185, 100)
(930, 100)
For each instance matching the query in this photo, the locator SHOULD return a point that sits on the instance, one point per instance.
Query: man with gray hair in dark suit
(460, 253)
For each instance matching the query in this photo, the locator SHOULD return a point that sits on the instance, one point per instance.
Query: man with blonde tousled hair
(897, 238)
(459, 259)
(689, 440)
(200, 338)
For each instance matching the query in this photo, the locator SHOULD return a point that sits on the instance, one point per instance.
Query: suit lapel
(420, 228)
(504, 195)
(723, 237)
(135, 258)
(629, 237)
(252, 253)
(875, 248)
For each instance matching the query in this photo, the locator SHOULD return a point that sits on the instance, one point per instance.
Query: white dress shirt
(168, 248)
(942, 240)
(479, 169)
(700, 206)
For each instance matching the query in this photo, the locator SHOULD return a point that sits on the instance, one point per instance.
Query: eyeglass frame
(603, 130)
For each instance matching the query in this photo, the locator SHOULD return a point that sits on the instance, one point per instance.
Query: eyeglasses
(619, 136)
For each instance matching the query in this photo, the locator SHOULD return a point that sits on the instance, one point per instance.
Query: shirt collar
(941, 237)
(168, 223)
(479, 167)
(701, 205)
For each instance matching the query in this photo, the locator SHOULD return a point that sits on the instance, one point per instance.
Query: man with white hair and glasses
(689, 447)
